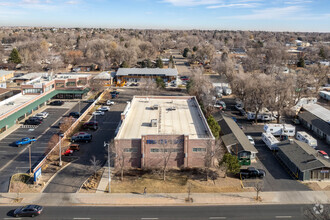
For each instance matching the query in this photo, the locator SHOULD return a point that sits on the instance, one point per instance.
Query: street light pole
(30, 158)
(60, 136)
(109, 172)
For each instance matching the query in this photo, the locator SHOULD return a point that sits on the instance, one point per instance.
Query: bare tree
(120, 159)
(168, 150)
(95, 165)
(53, 141)
(258, 185)
(147, 86)
(66, 123)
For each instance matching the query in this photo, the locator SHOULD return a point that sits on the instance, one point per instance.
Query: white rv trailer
(325, 95)
(270, 141)
(304, 137)
(264, 116)
(280, 129)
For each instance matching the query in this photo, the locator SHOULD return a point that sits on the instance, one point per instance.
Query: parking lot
(277, 177)
(16, 159)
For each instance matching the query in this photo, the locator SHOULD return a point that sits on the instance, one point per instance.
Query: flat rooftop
(147, 71)
(14, 102)
(175, 115)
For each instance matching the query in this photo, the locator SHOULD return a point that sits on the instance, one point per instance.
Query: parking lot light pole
(109, 172)
(60, 137)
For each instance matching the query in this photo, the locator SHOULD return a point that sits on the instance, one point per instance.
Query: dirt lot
(176, 182)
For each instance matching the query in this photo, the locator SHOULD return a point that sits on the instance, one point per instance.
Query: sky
(268, 15)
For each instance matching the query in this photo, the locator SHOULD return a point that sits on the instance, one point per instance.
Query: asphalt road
(262, 212)
(74, 175)
(16, 160)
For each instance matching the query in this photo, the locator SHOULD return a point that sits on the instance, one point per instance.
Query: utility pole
(109, 172)
(60, 137)
(30, 158)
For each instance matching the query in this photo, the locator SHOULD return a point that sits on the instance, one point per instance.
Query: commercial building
(35, 94)
(317, 119)
(303, 161)
(236, 141)
(156, 128)
(136, 74)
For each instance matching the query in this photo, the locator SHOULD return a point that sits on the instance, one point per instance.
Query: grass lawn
(176, 182)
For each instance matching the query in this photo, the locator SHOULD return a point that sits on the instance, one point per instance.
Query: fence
(72, 127)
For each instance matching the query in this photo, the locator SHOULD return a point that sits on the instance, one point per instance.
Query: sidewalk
(105, 199)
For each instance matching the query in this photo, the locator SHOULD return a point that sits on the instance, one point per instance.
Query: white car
(42, 115)
(98, 113)
(103, 109)
(250, 139)
(109, 102)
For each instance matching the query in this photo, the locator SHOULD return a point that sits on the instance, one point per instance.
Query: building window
(151, 142)
(130, 150)
(199, 149)
(26, 91)
(60, 85)
(154, 150)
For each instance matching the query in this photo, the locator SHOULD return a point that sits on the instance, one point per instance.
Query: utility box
(153, 123)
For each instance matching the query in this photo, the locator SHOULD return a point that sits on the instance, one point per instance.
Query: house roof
(229, 126)
(302, 155)
(2, 90)
(103, 75)
(318, 111)
(315, 121)
(147, 71)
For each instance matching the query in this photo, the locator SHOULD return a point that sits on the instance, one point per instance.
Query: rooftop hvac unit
(153, 122)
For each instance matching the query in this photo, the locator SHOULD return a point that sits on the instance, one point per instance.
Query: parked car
(57, 103)
(91, 125)
(42, 114)
(103, 109)
(324, 154)
(252, 172)
(74, 114)
(98, 113)
(25, 141)
(81, 137)
(109, 102)
(90, 101)
(36, 118)
(251, 139)
(28, 211)
(34, 121)
(68, 152)
(74, 147)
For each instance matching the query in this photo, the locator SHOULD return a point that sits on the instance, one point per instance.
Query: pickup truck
(252, 172)
(24, 141)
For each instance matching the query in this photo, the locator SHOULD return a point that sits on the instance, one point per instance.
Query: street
(261, 212)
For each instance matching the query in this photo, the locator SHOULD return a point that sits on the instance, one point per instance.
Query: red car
(324, 154)
(68, 152)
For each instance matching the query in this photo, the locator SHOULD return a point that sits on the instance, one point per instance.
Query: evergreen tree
(14, 57)
(195, 48)
(149, 64)
(185, 52)
(301, 62)
(160, 82)
(322, 53)
(124, 64)
(231, 163)
(214, 126)
(159, 63)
